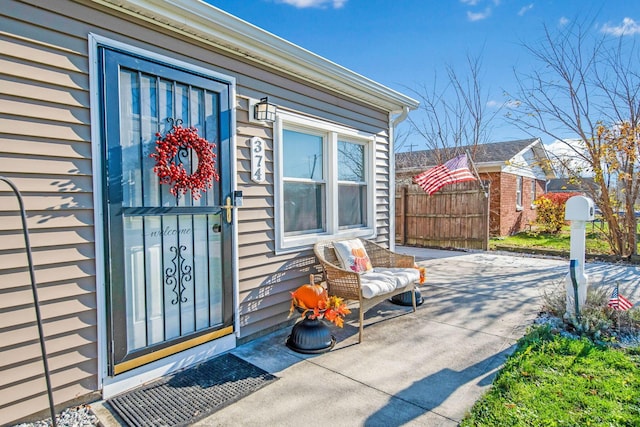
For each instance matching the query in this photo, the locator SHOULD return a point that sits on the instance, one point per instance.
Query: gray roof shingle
(483, 153)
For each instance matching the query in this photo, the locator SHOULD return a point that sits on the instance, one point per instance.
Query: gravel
(77, 416)
(626, 340)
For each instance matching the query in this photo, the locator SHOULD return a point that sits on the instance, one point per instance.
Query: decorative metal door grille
(169, 256)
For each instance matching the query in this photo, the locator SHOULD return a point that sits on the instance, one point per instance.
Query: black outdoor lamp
(264, 111)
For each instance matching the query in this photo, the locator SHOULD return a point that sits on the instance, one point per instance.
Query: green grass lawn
(596, 243)
(555, 381)
(552, 380)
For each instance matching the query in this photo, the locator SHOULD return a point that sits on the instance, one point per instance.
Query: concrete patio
(412, 369)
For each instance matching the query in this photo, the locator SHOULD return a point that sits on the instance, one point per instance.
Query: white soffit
(203, 21)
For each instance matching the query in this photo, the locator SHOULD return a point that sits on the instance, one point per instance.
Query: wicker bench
(348, 284)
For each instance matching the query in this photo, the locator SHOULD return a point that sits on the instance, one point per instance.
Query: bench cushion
(353, 255)
(384, 280)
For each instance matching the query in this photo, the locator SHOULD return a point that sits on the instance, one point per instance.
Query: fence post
(401, 222)
(487, 212)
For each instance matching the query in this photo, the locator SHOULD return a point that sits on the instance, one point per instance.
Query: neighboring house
(135, 283)
(586, 186)
(516, 171)
(568, 185)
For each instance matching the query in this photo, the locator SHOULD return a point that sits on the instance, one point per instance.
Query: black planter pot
(311, 336)
(405, 298)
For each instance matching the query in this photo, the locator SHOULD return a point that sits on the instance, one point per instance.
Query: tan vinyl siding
(265, 299)
(383, 191)
(45, 148)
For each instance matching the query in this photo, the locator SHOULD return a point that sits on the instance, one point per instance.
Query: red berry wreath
(167, 148)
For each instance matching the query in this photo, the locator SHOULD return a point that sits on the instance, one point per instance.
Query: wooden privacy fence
(457, 216)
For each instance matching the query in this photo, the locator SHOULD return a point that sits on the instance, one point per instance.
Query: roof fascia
(202, 21)
(538, 150)
(541, 153)
(529, 147)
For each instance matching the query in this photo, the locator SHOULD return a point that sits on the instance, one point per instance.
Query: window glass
(533, 192)
(519, 192)
(350, 161)
(352, 206)
(303, 207)
(302, 155)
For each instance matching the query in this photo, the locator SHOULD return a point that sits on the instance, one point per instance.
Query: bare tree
(401, 138)
(587, 87)
(454, 113)
(564, 162)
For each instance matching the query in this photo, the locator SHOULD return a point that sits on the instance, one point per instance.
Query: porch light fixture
(264, 111)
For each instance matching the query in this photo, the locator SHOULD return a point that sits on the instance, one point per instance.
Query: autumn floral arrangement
(313, 301)
(423, 273)
(171, 171)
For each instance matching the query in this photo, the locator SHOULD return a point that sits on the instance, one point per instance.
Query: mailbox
(579, 208)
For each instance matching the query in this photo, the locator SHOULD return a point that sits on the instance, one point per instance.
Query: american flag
(618, 302)
(455, 170)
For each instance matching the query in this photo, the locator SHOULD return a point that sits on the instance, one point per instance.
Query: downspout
(393, 123)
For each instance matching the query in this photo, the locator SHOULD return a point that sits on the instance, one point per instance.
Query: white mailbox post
(578, 210)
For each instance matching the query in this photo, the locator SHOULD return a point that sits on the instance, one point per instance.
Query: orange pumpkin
(313, 301)
(309, 296)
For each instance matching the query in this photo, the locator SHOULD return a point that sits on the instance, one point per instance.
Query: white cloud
(563, 21)
(301, 4)
(476, 2)
(566, 154)
(566, 147)
(628, 27)
(484, 14)
(525, 9)
(479, 16)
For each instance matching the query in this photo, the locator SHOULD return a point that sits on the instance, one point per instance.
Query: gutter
(393, 123)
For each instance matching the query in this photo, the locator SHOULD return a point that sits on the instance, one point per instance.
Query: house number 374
(257, 160)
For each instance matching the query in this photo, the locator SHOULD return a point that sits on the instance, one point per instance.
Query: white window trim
(519, 189)
(534, 192)
(333, 132)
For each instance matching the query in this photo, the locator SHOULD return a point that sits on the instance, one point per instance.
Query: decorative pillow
(353, 255)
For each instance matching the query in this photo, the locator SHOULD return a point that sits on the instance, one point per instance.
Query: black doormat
(192, 394)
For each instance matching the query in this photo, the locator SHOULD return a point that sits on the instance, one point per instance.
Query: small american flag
(455, 170)
(618, 302)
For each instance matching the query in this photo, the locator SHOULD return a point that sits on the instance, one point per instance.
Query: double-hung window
(324, 182)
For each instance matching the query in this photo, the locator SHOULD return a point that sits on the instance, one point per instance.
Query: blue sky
(404, 43)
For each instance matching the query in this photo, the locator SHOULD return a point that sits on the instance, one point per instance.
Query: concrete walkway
(412, 369)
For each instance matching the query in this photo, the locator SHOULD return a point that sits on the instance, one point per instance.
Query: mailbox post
(578, 210)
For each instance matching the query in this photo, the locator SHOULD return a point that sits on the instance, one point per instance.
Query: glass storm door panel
(169, 267)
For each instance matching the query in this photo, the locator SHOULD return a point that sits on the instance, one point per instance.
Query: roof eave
(200, 20)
